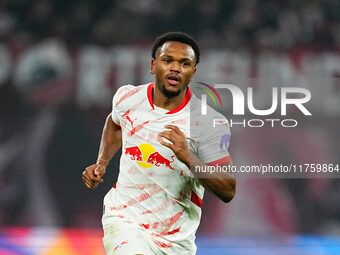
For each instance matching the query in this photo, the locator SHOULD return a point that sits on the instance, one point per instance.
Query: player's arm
(222, 185)
(110, 143)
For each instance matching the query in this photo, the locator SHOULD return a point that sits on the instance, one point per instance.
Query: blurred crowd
(49, 132)
(249, 24)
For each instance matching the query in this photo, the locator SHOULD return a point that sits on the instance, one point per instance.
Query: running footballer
(155, 206)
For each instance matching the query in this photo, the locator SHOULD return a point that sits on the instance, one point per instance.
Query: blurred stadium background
(61, 62)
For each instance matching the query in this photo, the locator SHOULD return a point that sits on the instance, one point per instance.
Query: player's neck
(160, 100)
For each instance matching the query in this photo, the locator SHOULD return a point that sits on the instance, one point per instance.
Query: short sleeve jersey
(155, 191)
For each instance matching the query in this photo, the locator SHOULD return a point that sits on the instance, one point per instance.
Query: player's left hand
(179, 145)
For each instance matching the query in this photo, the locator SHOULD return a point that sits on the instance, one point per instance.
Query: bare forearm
(111, 141)
(221, 184)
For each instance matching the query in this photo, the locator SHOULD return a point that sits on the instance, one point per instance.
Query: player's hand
(179, 145)
(93, 174)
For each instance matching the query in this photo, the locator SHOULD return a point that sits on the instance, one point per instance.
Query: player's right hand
(92, 175)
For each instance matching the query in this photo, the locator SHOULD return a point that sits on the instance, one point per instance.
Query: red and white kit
(156, 199)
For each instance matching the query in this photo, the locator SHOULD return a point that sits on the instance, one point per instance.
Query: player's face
(174, 67)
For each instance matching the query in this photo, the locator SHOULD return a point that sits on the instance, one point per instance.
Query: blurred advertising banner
(96, 72)
(52, 241)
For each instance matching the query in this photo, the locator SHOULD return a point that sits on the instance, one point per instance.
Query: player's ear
(193, 74)
(153, 63)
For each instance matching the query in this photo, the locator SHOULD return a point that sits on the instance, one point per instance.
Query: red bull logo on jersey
(146, 156)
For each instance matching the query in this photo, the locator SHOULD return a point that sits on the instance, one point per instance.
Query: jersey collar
(178, 108)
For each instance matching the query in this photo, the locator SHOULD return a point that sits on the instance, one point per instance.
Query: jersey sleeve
(214, 145)
(117, 106)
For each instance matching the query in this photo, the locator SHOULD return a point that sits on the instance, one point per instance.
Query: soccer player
(155, 206)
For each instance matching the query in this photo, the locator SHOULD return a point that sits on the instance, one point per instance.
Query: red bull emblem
(147, 156)
(134, 152)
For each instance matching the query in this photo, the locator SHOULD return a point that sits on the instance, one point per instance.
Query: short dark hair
(176, 37)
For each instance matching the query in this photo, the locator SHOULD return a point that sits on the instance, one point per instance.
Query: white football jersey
(155, 191)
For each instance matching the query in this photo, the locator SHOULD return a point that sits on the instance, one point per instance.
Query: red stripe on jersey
(150, 89)
(168, 223)
(172, 231)
(168, 203)
(120, 245)
(138, 199)
(178, 108)
(183, 104)
(165, 225)
(138, 127)
(169, 232)
(196, 199)
(163, 245)
(146, 226)
(155, 225)
(220, 161)
(161, 207)
(130, 93)
(114, 186)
